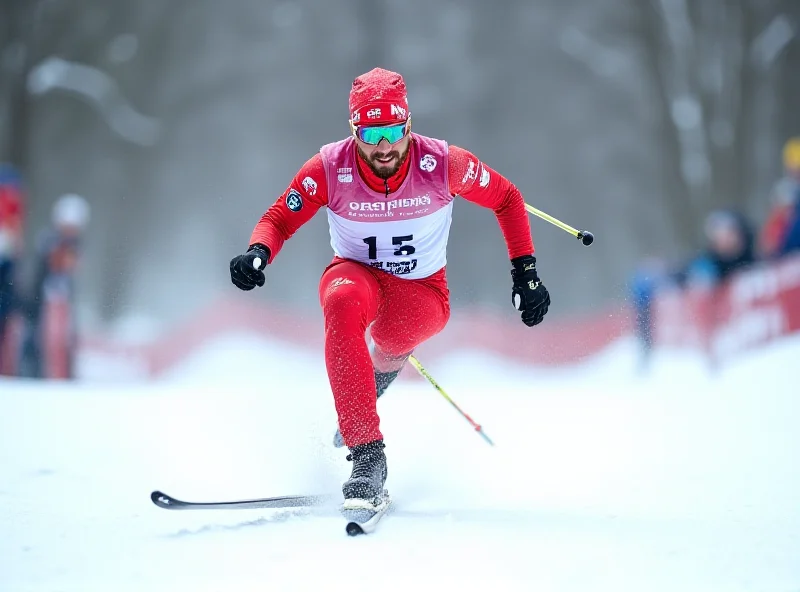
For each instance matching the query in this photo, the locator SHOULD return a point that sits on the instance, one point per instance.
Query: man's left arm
(478, 183)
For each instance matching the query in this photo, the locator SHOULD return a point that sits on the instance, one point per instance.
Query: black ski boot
(382, 382)
(365, 485)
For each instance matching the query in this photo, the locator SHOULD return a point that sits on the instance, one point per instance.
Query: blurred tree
(371, 31)
(630, 117)
(717, 67)
(789, 84)
(17, 44)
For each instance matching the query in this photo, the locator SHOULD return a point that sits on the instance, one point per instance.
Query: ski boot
(364, 493)
(382, 382)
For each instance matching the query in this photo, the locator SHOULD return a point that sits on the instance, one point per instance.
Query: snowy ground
(601, 480)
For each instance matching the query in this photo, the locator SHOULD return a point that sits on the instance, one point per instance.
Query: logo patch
(471, 174)
(398, 112)
(293, 201)
(341, 282)
(374, 113)
(427, 163)
(344, 175)
(485, 177)
(310, 185)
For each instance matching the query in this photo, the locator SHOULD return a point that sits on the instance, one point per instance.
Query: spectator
(10, 248)
(649, 277)
(791, 158)
(781, 232)
(729, 248)
(49, 345)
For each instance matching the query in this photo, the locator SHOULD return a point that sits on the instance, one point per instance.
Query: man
(791, 160)
(729, 248)
(780, 233)
(49, 346)
(11, 221)
(389, 194)
(648, 278)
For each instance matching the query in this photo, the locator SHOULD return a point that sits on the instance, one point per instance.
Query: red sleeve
(306, 194)
(476, 182)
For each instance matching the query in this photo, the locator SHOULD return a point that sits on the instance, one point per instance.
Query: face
(385, 159)
(69, 231)
(727, 241)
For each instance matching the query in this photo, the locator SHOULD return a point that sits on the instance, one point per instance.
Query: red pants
(402, 314)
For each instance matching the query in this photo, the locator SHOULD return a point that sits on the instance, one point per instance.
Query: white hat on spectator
(71, 210)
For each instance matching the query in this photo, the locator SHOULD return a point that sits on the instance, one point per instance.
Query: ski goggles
(373, 134)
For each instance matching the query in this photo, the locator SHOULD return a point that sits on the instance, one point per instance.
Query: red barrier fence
(755, 307)
(553, 343)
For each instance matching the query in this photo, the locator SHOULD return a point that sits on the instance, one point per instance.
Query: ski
(363, 517)
(162, 500)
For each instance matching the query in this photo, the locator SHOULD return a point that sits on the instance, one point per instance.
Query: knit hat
(791, 153)
(378, 97)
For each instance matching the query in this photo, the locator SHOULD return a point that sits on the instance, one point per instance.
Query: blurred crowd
(38, 335)
(38, 330)
(732, 243)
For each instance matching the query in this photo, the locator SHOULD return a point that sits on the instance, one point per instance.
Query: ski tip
(354, 529)
(162, 500)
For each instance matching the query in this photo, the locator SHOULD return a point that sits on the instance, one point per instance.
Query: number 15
(402, 251)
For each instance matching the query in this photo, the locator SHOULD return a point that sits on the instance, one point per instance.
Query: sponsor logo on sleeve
(310, 185)
(293, 200)
(472, 172)
(485, 177)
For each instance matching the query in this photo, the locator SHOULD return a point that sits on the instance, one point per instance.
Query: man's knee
(340, 294)
(397, 337)
(346, 298)
(400, 342)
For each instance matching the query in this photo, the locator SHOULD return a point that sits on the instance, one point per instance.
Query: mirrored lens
(373, 135)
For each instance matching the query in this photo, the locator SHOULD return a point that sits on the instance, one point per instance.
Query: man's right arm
(306, 194)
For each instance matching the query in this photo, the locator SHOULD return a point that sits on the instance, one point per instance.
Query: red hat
(378, 97)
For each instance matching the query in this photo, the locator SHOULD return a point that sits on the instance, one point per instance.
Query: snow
(601, 478)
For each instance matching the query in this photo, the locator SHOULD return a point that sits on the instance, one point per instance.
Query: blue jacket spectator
(730, 246)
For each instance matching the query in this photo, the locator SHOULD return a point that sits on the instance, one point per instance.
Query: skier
(389, 194)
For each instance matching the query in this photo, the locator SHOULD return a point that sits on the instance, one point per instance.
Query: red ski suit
(400, 313)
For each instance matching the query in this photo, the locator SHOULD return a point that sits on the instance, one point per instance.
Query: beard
(384, 171)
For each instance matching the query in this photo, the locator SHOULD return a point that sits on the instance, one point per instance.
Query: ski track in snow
(601, 479)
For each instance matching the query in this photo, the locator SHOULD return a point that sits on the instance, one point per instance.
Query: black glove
(244, 274)
(528, 294)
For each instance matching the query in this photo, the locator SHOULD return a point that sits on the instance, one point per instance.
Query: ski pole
(415, 362)
(586, 237)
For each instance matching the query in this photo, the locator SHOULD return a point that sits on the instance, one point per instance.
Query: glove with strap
(245, 273)
(528, 293)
